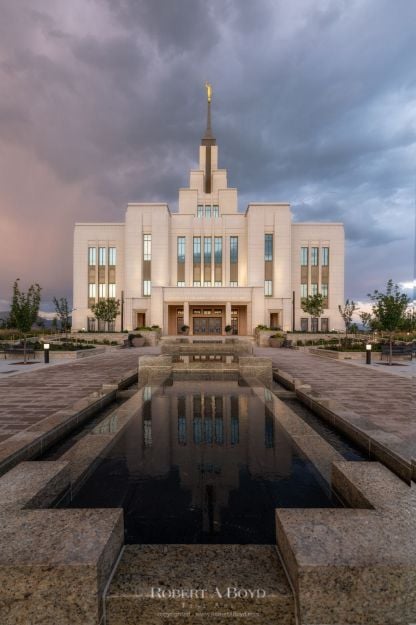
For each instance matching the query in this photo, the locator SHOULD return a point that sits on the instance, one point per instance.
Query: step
(199, 584)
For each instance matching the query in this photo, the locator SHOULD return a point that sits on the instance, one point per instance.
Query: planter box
(138, 341)
(327, 353)
(276, 342)
(72, 355)
(263, 336)
(151, 337)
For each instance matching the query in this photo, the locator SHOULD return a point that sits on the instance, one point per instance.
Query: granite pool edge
(35, 439)
(351, 424)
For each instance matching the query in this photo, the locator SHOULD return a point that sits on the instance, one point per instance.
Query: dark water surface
(204, 463)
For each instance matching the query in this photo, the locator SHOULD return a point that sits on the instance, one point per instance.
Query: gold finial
(208, 87)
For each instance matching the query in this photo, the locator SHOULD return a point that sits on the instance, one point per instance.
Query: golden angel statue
(208, 87)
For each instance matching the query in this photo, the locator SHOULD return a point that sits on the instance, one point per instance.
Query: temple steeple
(208, 140)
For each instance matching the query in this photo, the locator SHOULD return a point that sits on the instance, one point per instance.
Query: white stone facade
(156, 287)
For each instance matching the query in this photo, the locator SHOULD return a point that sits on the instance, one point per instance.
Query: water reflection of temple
(210, 436)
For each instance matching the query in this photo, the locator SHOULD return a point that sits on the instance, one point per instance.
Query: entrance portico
(207, 319)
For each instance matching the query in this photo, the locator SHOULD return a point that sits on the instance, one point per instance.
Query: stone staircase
(199, 584)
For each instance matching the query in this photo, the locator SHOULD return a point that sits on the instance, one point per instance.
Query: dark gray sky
(102, 102)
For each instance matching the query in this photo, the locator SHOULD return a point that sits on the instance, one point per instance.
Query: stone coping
(208, 347)
(85, 454)
(37, 438)
(54, 564)
(378, 443)
(358, 565)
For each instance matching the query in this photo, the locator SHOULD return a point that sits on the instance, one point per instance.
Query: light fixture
(46, 347)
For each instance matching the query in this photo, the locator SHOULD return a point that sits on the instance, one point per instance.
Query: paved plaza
(33, 395)
(388, 401)
(385, 396)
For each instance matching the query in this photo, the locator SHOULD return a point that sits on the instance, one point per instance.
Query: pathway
(388, 401)
(29, 397)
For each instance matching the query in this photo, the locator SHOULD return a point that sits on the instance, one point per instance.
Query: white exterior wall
(320, 235)
(250, 227)
(90, 235)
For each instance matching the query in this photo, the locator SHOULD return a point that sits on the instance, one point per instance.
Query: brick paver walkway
(388, 401)
(27, 398)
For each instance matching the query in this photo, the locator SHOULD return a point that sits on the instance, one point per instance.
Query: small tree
(389, 310)
(24, 310)
(313, 305)
(63, 313)
(347, 312)
(409, 324)
(366, 320)
(106, 310)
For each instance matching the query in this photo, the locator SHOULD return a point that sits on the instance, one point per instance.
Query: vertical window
(208, 211)
(207, 260)
(325, 256)
(304, 324)
(146, 288)
(324, 324)
(314, 324)
(218, 250)
(181, 261)
(207, 250)
(91, 324)
(112, 291)
(268, 265)
(147, 247)
(92, 256)
(314, 256)
(233, 261)
(217, 261)
(324, 290)
(112, 256)
(200, 211)
(102, 291)
(314, 289)
(303, 291)
(304, 256)
(197, 261)
(215, 211)
(92, 290)
(181, 250)
(101, 256)
(268, 247)
(197, 250)
(233, 249)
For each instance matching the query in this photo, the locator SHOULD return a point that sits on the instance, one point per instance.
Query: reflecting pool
(203, 462)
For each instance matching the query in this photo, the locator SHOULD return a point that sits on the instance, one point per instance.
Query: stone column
(186, 313)
(228, 314)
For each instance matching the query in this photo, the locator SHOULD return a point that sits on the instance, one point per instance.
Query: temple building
(209, 265)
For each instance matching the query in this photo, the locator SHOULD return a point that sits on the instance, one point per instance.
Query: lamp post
(368, 354)
(46, 352)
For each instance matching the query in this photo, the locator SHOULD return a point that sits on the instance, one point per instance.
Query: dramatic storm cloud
(102, 102)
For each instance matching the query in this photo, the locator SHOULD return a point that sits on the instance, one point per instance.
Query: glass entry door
(207, 325)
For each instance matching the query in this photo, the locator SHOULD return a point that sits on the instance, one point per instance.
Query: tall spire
(208, 138)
